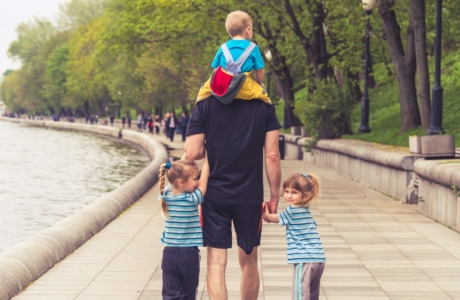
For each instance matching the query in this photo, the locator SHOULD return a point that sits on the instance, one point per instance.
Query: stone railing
(25, 262)
(433, 184)
(384, 168)
(439, 190)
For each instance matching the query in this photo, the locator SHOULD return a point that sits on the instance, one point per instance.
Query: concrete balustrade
(25, 262)
(384, 168)
(433, 184)
(439, 184)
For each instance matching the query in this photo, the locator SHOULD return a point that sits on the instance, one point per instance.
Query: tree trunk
(354, 81)
(417, 8)
(315, 43)
(404, 65)
(285, 85)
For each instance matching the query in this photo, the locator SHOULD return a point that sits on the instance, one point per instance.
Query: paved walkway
(377, 248)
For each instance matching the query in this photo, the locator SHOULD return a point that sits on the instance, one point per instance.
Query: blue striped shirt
(303, 241)
(182, 227)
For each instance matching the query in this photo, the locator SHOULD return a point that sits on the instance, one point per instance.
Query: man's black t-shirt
(235, 138)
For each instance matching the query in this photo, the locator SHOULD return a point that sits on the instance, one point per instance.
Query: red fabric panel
(221, 82)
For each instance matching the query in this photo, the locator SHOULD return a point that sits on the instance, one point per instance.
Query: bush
(326, 111)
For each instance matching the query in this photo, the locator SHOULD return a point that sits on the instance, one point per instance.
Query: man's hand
(272, 205)
(269, 211)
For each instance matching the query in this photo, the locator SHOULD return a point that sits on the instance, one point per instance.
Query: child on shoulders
(236, 56)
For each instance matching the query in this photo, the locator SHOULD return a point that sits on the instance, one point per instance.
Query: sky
(14, 12)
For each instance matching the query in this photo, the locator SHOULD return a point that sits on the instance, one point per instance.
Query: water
(46, 175)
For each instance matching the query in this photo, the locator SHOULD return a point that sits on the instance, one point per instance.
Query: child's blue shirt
(182, 227)
(237, 47)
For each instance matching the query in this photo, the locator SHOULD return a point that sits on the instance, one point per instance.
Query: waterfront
(47, 174)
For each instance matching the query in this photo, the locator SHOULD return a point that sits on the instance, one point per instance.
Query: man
(237, 136)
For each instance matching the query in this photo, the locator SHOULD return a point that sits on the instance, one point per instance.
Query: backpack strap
(227, 54)
(245, 54)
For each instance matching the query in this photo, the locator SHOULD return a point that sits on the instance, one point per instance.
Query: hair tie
(306, 175)
(168, 165)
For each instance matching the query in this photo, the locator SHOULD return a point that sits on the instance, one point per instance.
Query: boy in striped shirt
(304, 246)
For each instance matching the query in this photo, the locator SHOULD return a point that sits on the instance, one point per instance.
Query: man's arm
(194, 147)
(273, 169)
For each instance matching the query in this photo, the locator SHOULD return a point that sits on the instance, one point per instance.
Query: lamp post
(437, 91)
(368, 6)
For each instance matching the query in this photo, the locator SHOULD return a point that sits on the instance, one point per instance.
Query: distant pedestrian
(157, 123)
(183, 124)
(123, 121)
(150, 124)
(145, 120)
(129, 120)
(111, 120)
(96, 119)
(304, 247)
(182, 233)
(172, 123)
(139, 122)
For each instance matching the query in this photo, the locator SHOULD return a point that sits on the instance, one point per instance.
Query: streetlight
(368, 6)
(437, 91)
(269, 57)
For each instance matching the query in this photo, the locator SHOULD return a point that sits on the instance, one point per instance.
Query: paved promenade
(377, 248)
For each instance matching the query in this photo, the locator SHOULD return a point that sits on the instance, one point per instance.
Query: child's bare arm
(203, 183)
(260, 76)
(271, 218)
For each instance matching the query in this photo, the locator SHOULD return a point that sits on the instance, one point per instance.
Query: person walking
(112, 118)
(304, 247)
(129, 120)
(239, 136)
(139, 122)
(123, 121)
(150, 124)
(157, 121)
(183, 124)
(171, 124)
(182, 234)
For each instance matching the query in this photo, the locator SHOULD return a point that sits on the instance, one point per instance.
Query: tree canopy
(106, 56)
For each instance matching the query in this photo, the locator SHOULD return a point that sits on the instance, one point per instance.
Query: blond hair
(308, 185)
(179, 170)
(237, 22)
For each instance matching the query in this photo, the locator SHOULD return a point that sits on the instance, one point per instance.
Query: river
(47, 174)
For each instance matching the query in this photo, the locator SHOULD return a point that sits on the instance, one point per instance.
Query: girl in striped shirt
(182, 234)
(304, 247)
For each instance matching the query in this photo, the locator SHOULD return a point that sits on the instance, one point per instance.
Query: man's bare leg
(217, 262)
(249, 274)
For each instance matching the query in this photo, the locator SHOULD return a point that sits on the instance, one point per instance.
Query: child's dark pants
(181, 272)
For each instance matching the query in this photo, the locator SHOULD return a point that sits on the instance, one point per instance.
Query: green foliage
(327, 110)
(7, 72)
(384, 116)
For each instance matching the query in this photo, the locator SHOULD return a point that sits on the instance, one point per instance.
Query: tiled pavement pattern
(377, 248)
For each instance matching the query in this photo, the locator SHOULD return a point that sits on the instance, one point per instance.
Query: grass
(384, 116)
